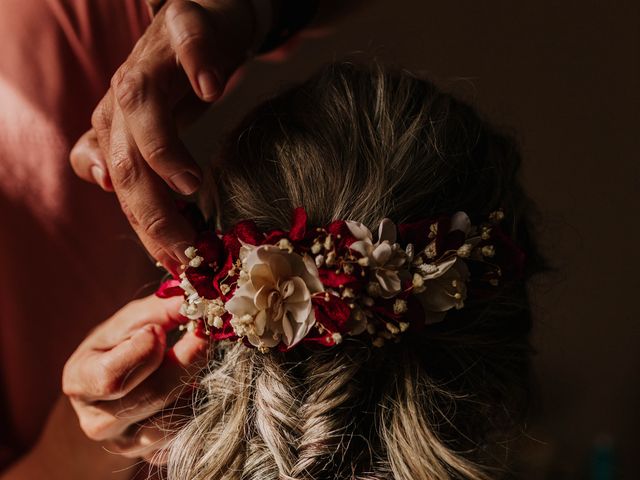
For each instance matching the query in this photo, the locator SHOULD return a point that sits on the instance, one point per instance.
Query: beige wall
(564, 76)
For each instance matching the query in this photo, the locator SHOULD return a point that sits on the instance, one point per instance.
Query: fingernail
(98, 175)
(186, 183)
(209, 85)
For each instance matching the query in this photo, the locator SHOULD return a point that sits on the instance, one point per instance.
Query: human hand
(182, 61)
(125, 385)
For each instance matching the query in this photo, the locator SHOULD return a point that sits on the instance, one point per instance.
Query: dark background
(564, 77)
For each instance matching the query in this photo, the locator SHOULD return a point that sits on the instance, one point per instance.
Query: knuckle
(189, 41)
(129, 87)
(101, 118)
(157, 152)
(131, 218)
(155, 225)
(107, 382)
(96, 427)
(123, 170)
(180, 14)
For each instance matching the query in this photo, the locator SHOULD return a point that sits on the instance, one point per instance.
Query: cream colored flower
(385, 257)
(273, 304)
(445, 287)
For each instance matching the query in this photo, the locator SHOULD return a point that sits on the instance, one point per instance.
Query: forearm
(64, 453)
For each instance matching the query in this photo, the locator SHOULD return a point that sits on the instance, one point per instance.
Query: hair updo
(363, 143)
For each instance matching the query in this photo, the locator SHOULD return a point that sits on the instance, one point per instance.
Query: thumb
(210, 43)
(189, 351)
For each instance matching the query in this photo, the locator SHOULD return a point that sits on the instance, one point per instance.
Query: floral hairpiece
(278, 288)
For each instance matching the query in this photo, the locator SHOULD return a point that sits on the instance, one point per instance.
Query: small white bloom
(374, 290)
(196, 261)
(400, 306)
(348, 293)
(488, 251)
(191, 252)
(465, 250)
(285, 244)
(243, 277)
(428, 268)
(328, 242)
(316, 247)
(496, 216)
(393, 330)
(363, 262)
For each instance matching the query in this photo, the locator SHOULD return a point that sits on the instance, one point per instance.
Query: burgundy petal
(248, 232)
(170, 288)
(210, 247)
(298, 225)
(331, 312)
(202, 283)
(329, 278)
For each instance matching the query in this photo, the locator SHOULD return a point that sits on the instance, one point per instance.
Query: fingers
(149, 439)
(102, 420)
(191, 37)
(155, 5)
(163, 312)
(146, 201)
(121, 352)
(88, 161)
(150, 122)
(114, 373)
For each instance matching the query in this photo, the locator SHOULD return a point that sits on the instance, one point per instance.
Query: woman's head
(365, 143)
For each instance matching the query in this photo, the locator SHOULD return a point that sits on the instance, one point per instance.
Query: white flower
(385, 257)
(274, 304)
(445, 288)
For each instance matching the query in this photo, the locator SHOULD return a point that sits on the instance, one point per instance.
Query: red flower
(341, 234)
(170, 288)
(210, 248)
(331, 312)
(298, 225)
(248, 232)
(329, 278)
(202, 283)
(224, 333)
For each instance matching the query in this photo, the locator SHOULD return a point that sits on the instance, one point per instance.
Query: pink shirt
(68, 258)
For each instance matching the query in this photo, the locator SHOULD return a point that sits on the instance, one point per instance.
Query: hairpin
(316, 285)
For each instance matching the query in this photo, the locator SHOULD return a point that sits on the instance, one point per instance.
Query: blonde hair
(363, 143)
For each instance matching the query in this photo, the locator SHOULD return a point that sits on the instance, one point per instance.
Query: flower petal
(242, 303)
(387, 231)
(441, 268)
(311, 276)
(359, 231)
(261, 275)
(460, 221)
(389, 281)
(362, 247)
(260, 322)
(382, 253)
